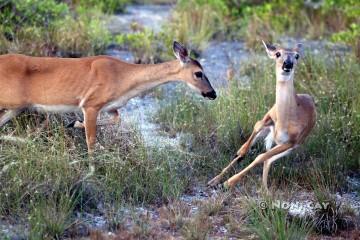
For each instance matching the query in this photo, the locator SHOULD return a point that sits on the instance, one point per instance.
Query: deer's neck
(147, 76)
(285, 101)
(139, 78)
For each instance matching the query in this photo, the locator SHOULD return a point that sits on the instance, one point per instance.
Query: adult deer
(92, 84)
(287, 123)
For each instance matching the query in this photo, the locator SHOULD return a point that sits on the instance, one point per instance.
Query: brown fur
(293, 117)
(92, 84)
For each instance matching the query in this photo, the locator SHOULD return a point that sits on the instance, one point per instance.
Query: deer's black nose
(211, 95)
(287, 65)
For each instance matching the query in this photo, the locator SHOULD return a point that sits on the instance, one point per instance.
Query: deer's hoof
(71, 124)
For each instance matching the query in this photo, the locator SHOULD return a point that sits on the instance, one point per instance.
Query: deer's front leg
(244, 148)
(271, 155)
(90, 116)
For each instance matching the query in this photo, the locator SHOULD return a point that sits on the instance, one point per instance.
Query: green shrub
(107, 6)
(196, 22)
(142, 44)
(50, 28)
(307, 19)
(350, 36)
(85, 35)
(36, 13)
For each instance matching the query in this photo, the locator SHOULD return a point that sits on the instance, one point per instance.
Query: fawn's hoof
(214, 182)
(228, 186)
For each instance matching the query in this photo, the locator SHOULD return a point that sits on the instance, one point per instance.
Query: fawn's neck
(285, 100)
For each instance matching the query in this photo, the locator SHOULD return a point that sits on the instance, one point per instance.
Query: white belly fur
(116, 104)
(55, 108)
(121, 101)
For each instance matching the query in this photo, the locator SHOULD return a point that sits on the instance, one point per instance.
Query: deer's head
(192, 72)
(285, 58)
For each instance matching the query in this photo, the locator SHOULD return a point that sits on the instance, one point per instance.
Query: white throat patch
(280, 76)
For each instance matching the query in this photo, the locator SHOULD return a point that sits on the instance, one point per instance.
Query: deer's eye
(198, 74)
(297, 56)
(278, 54)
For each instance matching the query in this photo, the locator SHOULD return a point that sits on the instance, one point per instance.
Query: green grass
(49, 177)
(276, 223)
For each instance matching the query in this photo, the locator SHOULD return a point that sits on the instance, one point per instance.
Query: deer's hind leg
(7, 115)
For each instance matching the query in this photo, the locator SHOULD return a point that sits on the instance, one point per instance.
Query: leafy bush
(312, 19)
(142, 44)
(107, 6)
(36, 13)
(196, 22)
(350, 36)
(48, 27)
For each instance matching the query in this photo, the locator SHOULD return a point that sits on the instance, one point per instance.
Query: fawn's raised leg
(259, 126)
(276, 152)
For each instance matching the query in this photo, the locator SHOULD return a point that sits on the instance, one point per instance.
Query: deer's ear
(181, 52)
(270, 49)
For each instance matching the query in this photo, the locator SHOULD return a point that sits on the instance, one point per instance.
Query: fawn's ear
(270, 49)
(181, 52)
(299, 48)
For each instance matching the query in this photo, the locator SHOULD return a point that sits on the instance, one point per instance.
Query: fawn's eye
(297, 56)
(198, 74)
(278, 54)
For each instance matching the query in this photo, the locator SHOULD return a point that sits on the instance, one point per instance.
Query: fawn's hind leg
(273, 154)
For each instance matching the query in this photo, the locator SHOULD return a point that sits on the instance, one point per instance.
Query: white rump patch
(282, 137)
(260, 135)
(269, 140)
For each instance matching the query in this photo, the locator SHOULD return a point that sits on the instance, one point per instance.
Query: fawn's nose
(287, 65)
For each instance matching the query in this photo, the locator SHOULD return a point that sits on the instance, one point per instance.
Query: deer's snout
(287, 66)
(211, 95)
